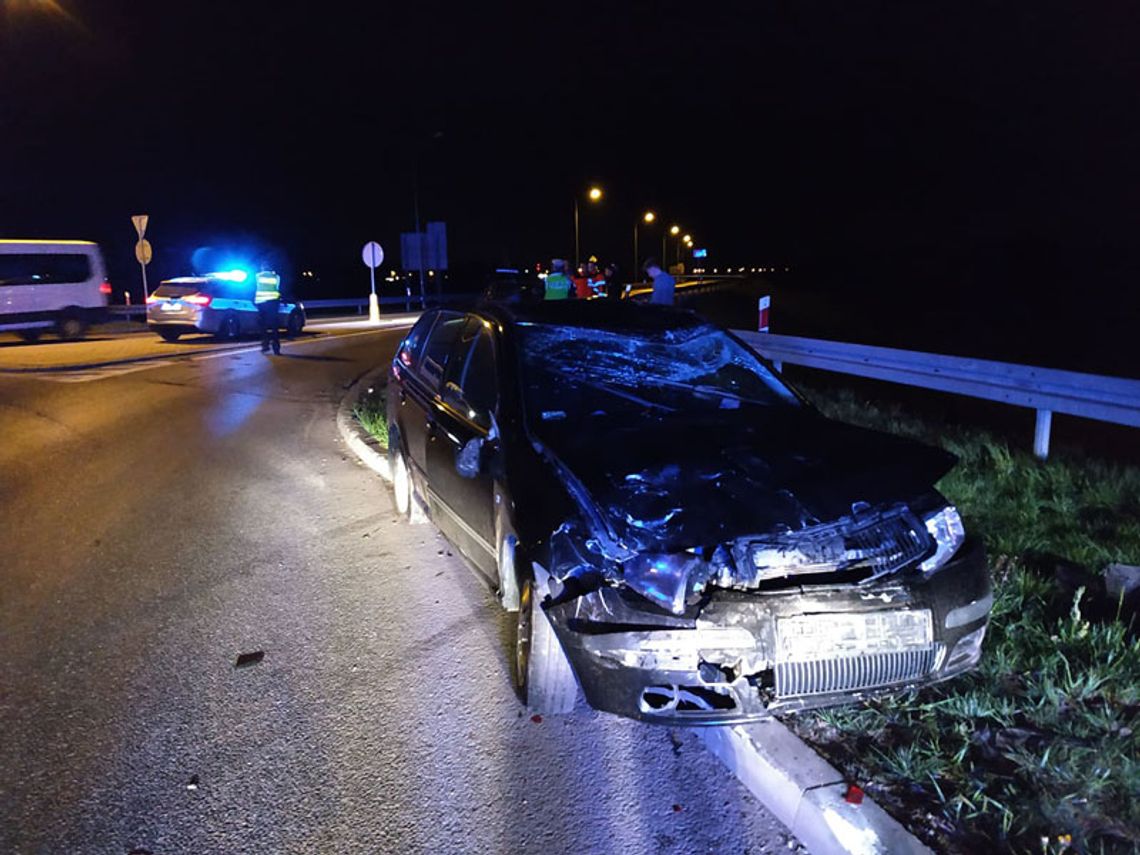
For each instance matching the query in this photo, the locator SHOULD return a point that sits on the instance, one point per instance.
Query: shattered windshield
(575, 372)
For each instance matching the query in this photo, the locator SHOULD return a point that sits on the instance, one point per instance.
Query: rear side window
(471, 383)
(413, 343)
(44, 269)
(440, 341)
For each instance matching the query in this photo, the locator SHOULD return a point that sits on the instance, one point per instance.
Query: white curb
(805, 792)
(355, 436)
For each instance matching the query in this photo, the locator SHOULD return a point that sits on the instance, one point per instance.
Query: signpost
(143, 251)
(373, 255)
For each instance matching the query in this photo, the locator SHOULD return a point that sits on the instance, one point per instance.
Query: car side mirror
(468, 460)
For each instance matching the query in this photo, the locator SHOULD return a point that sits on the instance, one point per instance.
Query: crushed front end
(879, 601)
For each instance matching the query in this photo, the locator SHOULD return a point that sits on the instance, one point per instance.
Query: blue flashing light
(235, 275)
(700, 253)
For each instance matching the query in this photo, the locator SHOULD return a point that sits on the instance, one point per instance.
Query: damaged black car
(684, 538)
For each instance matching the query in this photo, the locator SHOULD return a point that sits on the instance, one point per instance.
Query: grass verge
(1036, 750)
(371, 411)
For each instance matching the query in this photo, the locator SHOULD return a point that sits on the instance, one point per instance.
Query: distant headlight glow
(945, 526)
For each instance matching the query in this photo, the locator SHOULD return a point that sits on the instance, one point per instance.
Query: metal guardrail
(1046, 390)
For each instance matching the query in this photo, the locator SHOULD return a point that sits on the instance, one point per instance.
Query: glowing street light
(594, 194)
(674, 230)
(649, 217)
(687, 238)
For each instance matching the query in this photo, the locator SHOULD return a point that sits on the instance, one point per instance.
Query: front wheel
(543, 676)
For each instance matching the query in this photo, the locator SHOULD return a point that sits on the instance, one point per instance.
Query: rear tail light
(198, 299)
(105, 288)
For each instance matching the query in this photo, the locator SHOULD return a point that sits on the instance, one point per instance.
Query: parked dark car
(680, 532)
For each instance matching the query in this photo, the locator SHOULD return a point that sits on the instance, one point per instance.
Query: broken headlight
(945, 526)
(666, 580)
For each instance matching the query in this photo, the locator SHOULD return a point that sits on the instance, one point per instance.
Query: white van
(52, 284)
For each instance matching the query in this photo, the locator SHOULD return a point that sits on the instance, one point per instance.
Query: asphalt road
(162, 518)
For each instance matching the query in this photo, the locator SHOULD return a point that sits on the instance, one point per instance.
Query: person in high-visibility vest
(267, 298)
(558, 284)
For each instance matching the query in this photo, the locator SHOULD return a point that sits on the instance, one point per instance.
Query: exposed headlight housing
(945, 526)
(666, 580)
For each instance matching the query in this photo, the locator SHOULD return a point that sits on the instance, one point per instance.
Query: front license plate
(805, 638)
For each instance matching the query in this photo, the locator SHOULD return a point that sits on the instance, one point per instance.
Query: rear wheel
(543, 676)
(71, 327)
(170, 335)
(230, 328)
(295, 324)
(402, 485)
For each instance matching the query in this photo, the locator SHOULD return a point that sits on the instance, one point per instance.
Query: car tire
(295, 324)
(230, 328)
(31, 336)
(544, 678)
(402, 485)
(170, 335)
(70, 327)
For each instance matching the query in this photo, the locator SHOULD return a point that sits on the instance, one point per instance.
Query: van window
(44, 268)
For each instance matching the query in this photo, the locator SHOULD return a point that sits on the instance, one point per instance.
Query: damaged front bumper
(743, 656)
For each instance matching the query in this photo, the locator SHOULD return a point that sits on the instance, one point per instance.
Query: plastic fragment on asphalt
(536, 718)
(854, 795)
(245, 660)
(192, 784)
(676, 808)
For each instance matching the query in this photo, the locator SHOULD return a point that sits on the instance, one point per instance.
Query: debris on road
(245, 660)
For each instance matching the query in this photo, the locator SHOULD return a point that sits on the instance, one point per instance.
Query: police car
(221, 304)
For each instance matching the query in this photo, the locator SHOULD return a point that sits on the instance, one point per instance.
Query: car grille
(851, 673)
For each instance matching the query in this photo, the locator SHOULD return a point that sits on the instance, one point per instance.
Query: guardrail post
(1041, 433)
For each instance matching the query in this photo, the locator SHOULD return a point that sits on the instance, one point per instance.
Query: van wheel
(230, 328)
(170, 335)
(70, 328)
(544, 678)
(31, 336)
(295, 324)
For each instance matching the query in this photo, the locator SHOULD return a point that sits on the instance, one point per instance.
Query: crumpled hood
(676, 484)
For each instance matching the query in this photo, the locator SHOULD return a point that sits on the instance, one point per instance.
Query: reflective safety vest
(598, 284)
(268, 288)
(557, 286)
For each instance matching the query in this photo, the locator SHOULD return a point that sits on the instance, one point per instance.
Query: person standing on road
(595, 281)
(267, 298)
(664, 285)
(558, 284)
(613, 284)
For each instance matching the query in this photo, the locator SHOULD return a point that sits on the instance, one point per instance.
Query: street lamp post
(594, 194)
(647, 217)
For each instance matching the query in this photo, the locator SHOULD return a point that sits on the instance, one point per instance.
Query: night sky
(954, 135)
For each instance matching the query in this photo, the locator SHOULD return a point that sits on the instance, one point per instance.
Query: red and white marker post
(763, 306)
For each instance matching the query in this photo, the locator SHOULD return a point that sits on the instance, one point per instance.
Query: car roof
(624, 315)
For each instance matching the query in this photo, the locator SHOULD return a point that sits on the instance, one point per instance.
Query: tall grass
(1036, 750)
(372, 412)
